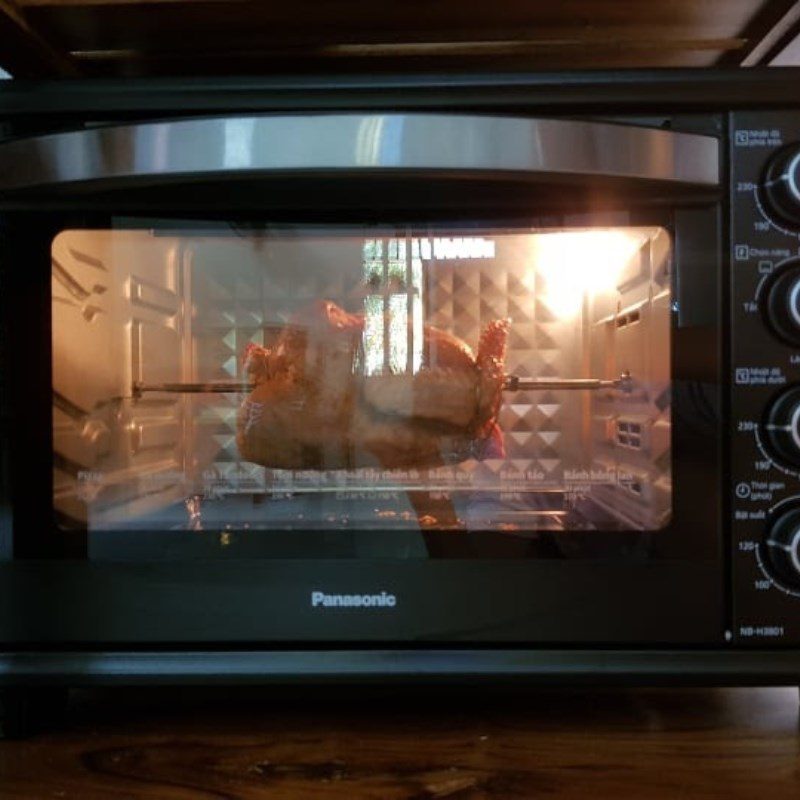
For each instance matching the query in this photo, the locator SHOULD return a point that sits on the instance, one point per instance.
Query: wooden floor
(169, 744)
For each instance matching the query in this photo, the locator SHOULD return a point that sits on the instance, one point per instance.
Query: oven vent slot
(624, 320)
(629, 434)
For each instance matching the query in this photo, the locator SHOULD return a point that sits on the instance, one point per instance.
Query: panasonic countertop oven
(418, 378)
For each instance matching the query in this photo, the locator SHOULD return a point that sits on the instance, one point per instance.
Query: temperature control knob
(781, 302)
(781, 427)
(783, 547)
(782, 185)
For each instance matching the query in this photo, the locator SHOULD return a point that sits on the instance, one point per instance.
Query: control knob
(781, 302)
(781, 427)
(783, 547)
(781, 185)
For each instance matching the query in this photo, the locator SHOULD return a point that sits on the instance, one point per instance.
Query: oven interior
(153, 328)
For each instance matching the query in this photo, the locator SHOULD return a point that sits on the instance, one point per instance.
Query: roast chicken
(313, 406)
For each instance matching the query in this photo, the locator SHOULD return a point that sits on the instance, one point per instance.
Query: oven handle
(456, 145)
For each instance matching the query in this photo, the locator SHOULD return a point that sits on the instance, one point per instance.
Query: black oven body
(710, 599)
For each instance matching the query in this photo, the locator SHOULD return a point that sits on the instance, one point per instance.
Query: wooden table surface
(386, 744)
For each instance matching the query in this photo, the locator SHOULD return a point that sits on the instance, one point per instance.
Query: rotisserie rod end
(513, 383)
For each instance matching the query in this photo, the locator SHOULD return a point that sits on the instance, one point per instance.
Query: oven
(414, 378)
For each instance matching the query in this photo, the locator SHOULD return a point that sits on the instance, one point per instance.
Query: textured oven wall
(542, 430)
(632, 431)
(244, 291)
(117, 319)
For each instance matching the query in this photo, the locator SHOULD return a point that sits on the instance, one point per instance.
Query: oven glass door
(221, 385)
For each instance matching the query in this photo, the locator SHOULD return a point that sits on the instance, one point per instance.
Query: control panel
(765, 384)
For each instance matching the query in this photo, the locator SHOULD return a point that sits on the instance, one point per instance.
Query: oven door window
(250, 382)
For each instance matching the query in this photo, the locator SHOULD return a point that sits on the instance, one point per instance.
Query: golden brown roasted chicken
(314, 408)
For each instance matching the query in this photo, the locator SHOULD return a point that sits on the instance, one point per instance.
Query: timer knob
(783, 547)
(781, 304)
(782, 185)
(781, 427)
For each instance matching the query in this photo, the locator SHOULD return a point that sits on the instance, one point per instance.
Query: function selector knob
(781, 427)
(781, 186)
(781, 302)
(783, 547)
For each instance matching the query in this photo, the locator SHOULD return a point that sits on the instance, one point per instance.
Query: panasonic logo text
(382, 600)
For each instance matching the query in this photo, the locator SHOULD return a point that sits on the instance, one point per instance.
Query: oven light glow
(576, 263)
